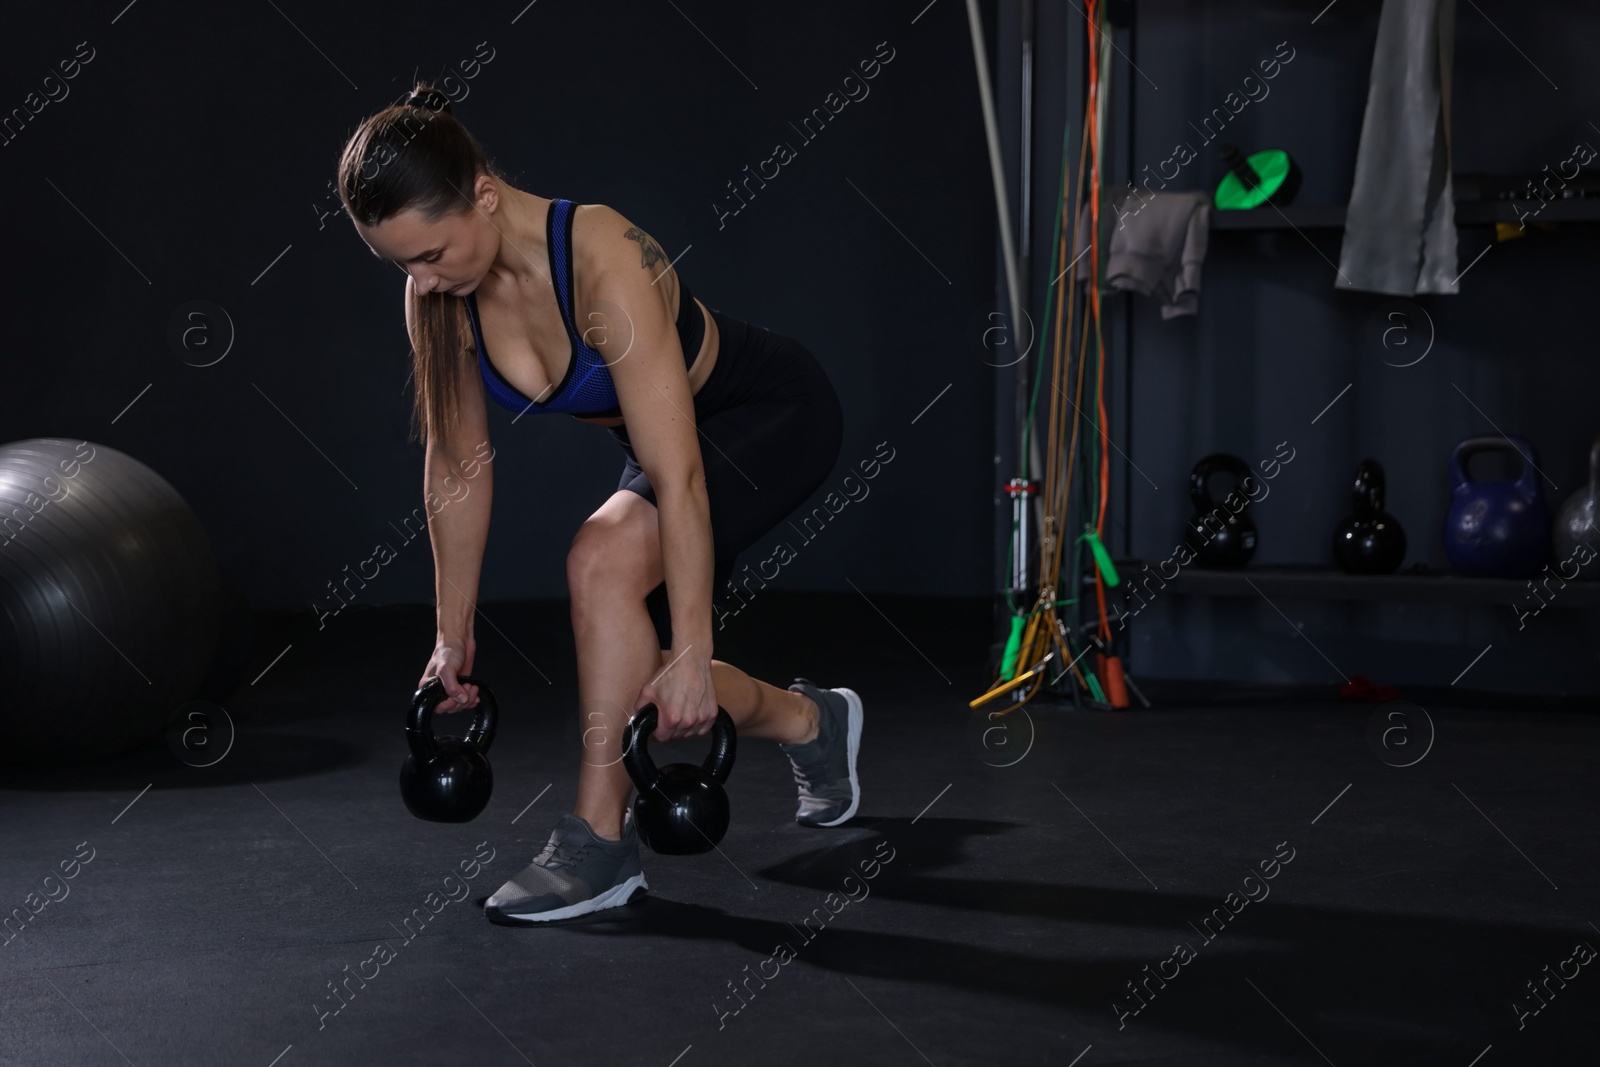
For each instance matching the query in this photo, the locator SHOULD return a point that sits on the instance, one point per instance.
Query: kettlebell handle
(419, 723)
(1594, 470)
(1369, 488)
(1200, 479)
(636, 748)
(1526, 482)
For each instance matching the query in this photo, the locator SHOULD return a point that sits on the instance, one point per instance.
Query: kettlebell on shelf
(1370, 541)
(448, 779)
(1496, 528)
(1578, 523)
(1220, 537)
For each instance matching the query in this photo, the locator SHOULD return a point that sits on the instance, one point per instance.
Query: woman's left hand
(685, 700)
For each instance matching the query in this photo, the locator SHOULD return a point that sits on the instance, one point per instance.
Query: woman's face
(450, 255)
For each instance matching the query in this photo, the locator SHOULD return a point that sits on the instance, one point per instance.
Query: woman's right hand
(452, 658)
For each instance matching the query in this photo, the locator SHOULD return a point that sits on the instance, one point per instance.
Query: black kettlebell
(1370, 541)
(449, 779)
(680, 809)
(1219, 536)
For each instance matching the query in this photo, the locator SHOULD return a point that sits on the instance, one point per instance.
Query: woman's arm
(686, 554)
(658, 408)
(458, 489)
(457, 492)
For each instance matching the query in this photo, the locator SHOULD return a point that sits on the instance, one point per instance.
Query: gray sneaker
(576, 872)
(825, 768)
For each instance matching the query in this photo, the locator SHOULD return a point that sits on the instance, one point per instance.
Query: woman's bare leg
(617, 650)
(614, 563)
(762, 710)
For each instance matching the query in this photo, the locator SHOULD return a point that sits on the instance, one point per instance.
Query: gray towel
(1158, 243)
(1400, 234)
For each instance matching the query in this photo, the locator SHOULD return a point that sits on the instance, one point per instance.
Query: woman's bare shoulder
(606, 239)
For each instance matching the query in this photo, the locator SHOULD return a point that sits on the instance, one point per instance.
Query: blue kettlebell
(1496, 529)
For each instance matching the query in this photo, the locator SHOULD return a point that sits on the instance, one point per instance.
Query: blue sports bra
(586, 390)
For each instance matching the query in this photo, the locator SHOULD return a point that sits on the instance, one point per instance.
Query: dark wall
(189, 160)
(1274, 342)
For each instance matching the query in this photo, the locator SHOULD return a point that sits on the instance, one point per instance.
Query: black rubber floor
(1231, 878)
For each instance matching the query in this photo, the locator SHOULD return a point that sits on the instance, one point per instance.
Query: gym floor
(1028, 890)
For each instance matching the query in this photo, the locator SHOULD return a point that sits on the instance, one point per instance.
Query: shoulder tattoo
(649, 252)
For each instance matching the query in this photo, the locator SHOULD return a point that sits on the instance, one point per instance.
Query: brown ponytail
(418, 155)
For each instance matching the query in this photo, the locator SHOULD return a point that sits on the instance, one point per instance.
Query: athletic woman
(548, 306)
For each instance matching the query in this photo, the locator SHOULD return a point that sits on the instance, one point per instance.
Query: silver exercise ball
(110, 601)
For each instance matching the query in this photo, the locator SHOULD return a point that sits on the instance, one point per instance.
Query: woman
(521, 294)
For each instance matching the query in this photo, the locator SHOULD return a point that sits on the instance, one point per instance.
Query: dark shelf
(1295, 216)
(1468, 213)
(1326, 583)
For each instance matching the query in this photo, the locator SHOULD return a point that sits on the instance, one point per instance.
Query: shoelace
(560, 854)
(810, 772)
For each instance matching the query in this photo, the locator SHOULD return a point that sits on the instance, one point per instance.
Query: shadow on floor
(253, 757)
(1321, 965)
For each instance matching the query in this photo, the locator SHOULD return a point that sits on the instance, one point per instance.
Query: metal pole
(996, 168)
(1003, 205)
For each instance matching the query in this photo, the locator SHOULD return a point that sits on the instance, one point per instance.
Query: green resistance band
(1008, 662)
(1251, 180)
(1102, 558)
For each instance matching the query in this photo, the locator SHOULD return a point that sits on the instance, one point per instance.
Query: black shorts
(770, 428)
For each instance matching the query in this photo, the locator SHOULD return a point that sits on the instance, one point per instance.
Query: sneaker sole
(857, 715)
(616, 896)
